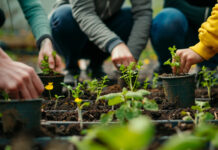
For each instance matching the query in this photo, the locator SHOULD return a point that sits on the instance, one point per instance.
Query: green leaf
(115, 101)
(151, 105)
(85, 104)
(110, 96)
(120, 113)
(215, 140)
(187, 118)
(134, 95)
(0, 115)
(183, 141)
(143, 92)
(205, 116)
(107, 118)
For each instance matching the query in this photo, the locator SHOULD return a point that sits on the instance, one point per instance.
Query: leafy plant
(56, 101)
(135, 135)
(200, 114)
(101, 85)
(146, 83)
(80, 105)
(46, 70)
(92, 85)
(130, 74)
(174, 61)
(208, 79)
(76, 92)
(5, 95)
(131, 103)
(155, 80)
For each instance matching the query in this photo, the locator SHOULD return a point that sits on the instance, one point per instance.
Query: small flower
(50, 86)
(78, 100)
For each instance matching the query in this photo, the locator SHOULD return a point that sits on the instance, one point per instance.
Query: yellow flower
(147, 61)
(78, 100)
(50, 86)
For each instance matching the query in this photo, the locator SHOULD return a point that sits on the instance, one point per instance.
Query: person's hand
(46, 50)
(122, 55)
(18, 80)
(187, 58)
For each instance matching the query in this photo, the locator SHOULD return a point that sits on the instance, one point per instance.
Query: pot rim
(19, 101)
(177, 77)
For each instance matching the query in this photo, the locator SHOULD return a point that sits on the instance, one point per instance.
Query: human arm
(39, 24)
(206, 48)
(18, 80)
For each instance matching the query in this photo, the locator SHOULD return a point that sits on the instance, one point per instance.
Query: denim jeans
(73, 44)
(171, 27)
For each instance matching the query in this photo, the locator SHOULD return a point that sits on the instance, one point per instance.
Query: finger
(182, 64)
(14, 95)
(31, 88)
(187, 67)
(25, 94)
(37, 83)
(58, 62)
(51, 61)
(40, 58)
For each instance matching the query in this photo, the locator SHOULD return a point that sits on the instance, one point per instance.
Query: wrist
(41, 40)
(112, 44)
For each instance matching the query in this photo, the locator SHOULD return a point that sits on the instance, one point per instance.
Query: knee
(61, 18)
(169, 22)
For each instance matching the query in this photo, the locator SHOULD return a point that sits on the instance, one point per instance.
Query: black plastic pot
(24, 115)
(180, 89)
(56, 80)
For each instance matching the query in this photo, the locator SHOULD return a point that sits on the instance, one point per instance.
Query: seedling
(49, 87)
(155, 80)
(46, 70)
(208, 79)
(146, 83)
(130, 74)
(56, 101)
(77, 92)
(200, 115)
(5, 96)
(131, 103)
(101, 85)
(92, 85)
(175, 60)
(80, 106)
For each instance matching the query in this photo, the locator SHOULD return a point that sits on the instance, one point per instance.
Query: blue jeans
(73, 44)
(171, 27)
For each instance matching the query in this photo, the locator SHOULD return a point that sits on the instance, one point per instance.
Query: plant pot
(20, 115)
(180, 89)
(56, 80)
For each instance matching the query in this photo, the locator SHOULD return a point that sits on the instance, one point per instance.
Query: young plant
(92, 85)
(101, 85)
(46, 70)
(131, 103)
(5, 96)
(77, 92)
(49, 87)
(80, 105)
(155, 80)
(56, 101)
(130, 74)
(175, 60)
(200, 114)
(146, 83)
(208, 79)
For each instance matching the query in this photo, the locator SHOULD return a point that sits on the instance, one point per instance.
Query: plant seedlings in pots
(20, 115)
(178, 88)
(48, 75)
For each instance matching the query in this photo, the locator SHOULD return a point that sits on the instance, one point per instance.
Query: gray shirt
(90, 15)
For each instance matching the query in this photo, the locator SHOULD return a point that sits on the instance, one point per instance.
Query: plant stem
(80, 119)
(49, 94)
(56, 102)
(209, 91)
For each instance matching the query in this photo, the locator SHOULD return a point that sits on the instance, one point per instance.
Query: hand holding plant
(174, 61)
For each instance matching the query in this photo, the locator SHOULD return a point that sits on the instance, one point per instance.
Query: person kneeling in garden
(96, 29)
(177, 24)
(19, 80)
(206, 48)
